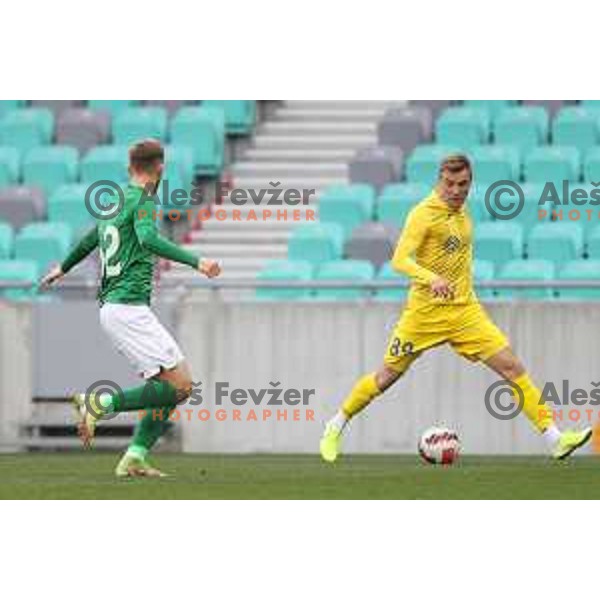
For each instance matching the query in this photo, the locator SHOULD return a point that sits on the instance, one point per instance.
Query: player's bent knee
(183, 390)
(386, 377)
(511, 368)
(514, 370)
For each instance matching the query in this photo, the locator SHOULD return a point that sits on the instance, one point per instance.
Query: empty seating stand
(406, 127)
(82, 128)
(26, 128)
(389, 275)
(316, 242)
(463, 127)
(374, 242)
(376, 166)
(397, 199)
(282, 270)
(348, 206)
(20, 205)
(43, 243)
(202, 130)
(539, 270)
(21, 272)
(139, 123)
(240, 115)
(353, 270)
(49, 167)
(9, 165)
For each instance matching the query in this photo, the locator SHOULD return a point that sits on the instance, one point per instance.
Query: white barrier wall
(320, 346)
(15, 371)
(327, 346)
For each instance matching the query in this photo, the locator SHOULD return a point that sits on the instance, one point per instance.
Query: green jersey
(128, 243)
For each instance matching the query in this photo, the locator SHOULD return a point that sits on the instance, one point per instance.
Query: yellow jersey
(437, 241)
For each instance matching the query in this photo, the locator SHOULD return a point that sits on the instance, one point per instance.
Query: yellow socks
(361, 395)
(537, 412)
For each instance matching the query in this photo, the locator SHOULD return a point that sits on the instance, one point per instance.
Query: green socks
(158, 399)
(153, 394)
(149, 430)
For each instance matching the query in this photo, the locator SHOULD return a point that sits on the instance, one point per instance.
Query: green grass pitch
(89, 476)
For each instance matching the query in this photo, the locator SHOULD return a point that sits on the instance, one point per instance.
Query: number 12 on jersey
(109, 246)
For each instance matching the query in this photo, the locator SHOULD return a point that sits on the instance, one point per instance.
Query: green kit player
(129, 243)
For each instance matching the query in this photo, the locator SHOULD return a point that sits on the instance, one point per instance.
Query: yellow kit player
(435, 251)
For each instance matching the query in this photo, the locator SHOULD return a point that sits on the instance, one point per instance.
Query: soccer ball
(439, 446)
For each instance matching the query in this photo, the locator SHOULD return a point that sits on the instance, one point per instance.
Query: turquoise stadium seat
(523, 126)
(347, 205)
(593, 242)
(6, 240)
(591, 165)
(49, 167)
(533, 213)
(483, 270)
(179, 170)
(316, 242)
(495, 163)
(21, 271)
(559, 242)
(423, 164)
(203, 130)
(344, 269)
(138, 123)
(240, 115)
(572, 213)
(9, 165)
(387, 273)
(280, 270)
(476, 204)
(576, 126)
(479, 210)
(67, 205)
(181, 157)
(580, 269)
(492, 107)
(114, 107)
(591, 104)
(26, 128)
(10, 105)
(397, 199)
(499, 242)
(105, 162)
(552, 163)
(463, 127)
(541, 270)
(43, 243)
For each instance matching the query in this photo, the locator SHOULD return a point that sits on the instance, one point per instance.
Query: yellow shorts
(467, 328)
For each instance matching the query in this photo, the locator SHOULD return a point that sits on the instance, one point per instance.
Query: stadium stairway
(303, 145)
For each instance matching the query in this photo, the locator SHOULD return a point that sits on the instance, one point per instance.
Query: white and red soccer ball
(439, 446)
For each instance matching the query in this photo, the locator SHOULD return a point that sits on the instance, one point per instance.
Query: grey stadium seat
(377, 166)
(435, 106)
(20, 205)
(57, 106)
(82, 128)
(171, 106)
(374, 242)
(405, 127)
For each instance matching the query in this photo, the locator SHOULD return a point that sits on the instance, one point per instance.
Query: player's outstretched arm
(151, 240)
(80, 251)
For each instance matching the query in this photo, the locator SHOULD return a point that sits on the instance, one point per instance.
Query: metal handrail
(375, 284)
